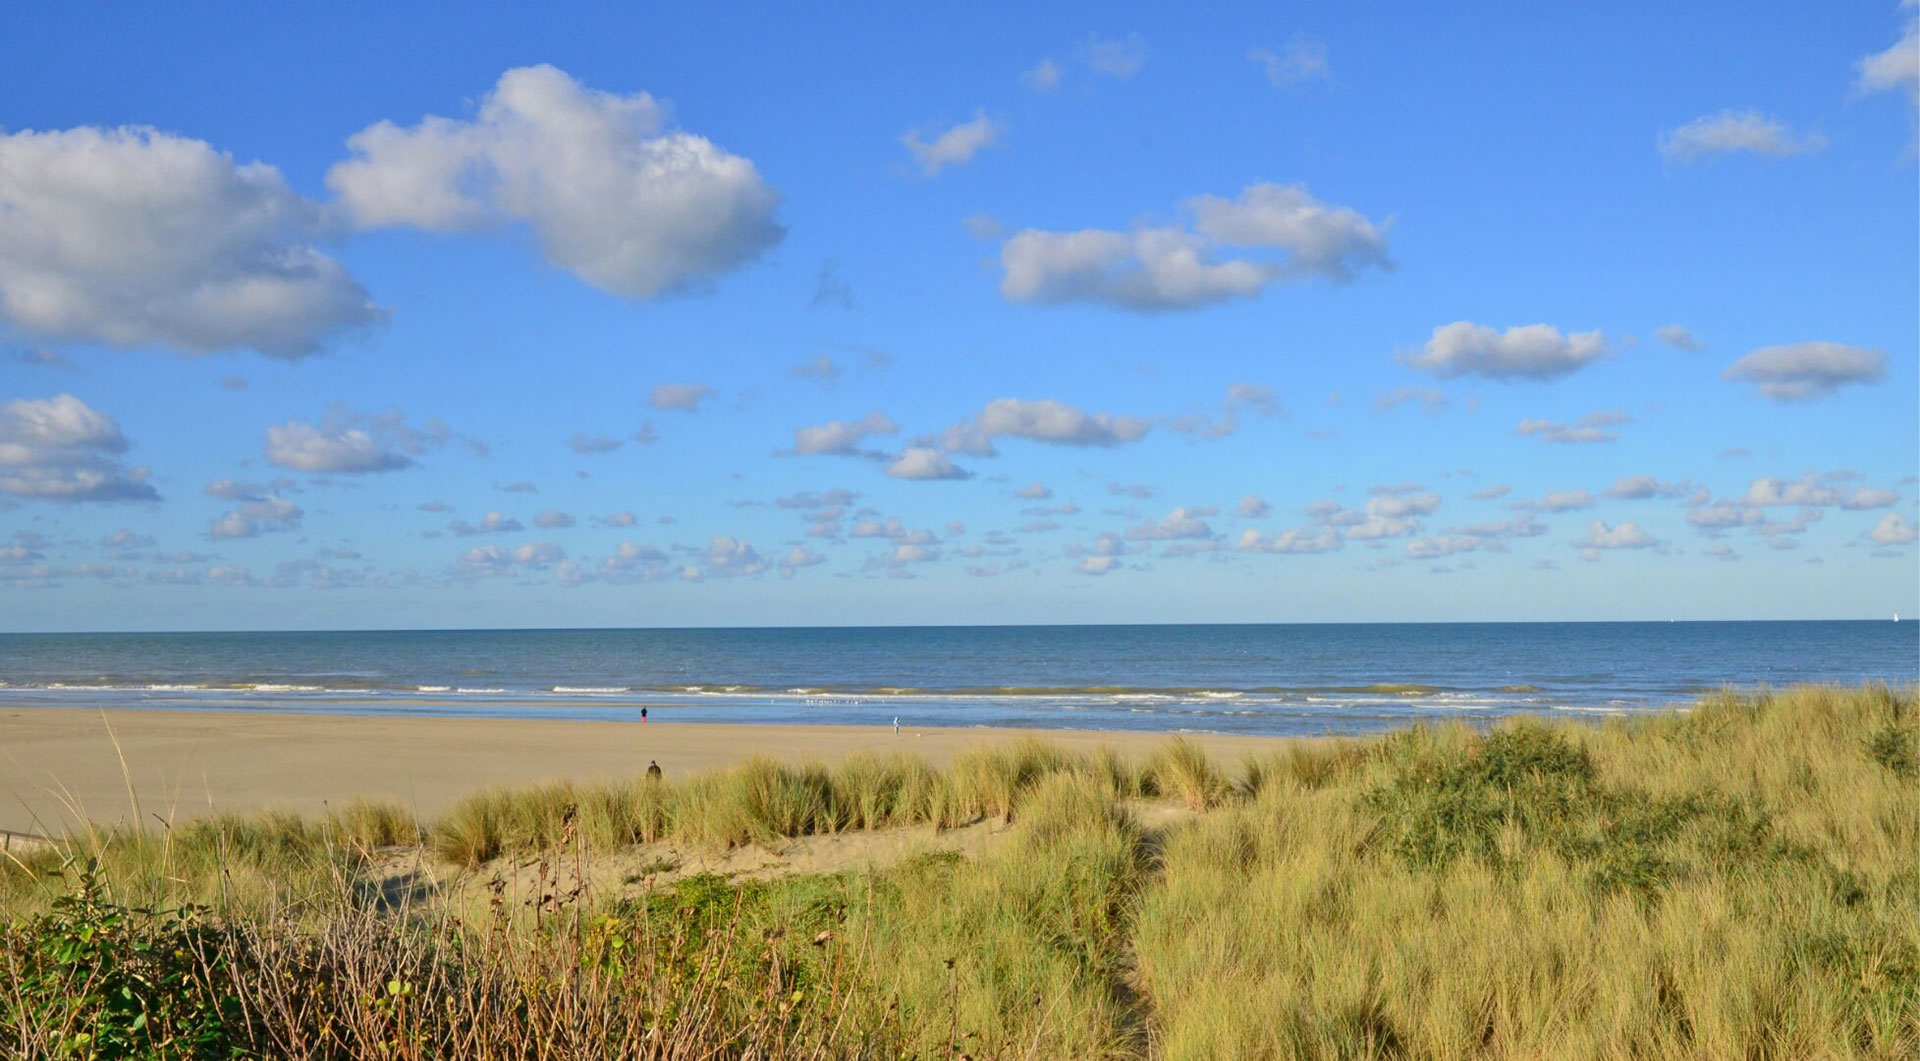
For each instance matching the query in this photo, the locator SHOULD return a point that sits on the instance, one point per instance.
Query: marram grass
(1736, 881)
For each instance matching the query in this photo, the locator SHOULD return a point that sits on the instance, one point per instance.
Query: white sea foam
(431, 688)
(590, 689)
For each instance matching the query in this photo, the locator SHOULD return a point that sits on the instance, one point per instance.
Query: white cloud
(1489, 493)
(1642, 487)
(612, 196)
(487, 561)
(1301, 59)
(133, 237)
(1401, 505)
(329, 450)
(1035, 491)
(920, 462)
(954, 146)
(553, 519)
(1896, 68)
(798, 557)
(61, 449)
(1534, 351)
(1808, 491)
(1730, 132)
(1174, 268)
(1114, 57)
(1180, 524)
(728, 557)
(257, 516)
(842, 438)
(1043, 420)
(622, 518)
(1592, 427)
(1804, 371)
(1893, 529)
(1097, 565)
(1044, 77)
(1679, 337)
(1253, 506)
(1628, 535)
(635, 562)
(1291, 541)
(685, 397)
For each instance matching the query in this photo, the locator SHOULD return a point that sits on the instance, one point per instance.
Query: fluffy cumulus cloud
(1627, 535)
(1252, 506)
(1893, 529)
(1811, 491)
(1593, 427)
(321, 449)
(489, 561)
(1735, 132)
(924, 462)
(954, 146)
(1044, 420)
(1533, 351)
(611, 193)
(727, 557)
(1188, 266)
(62, 449)
(1798, 372)
(842, 438)
(134, 237)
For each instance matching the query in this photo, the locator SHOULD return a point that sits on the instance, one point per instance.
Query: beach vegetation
(1737, 880)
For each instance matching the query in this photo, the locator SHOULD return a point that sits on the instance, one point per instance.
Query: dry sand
(58, 765)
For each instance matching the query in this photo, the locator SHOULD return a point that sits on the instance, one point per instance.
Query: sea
(1251, 679)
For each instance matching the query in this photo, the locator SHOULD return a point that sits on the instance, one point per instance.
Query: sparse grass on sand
(1736, 881)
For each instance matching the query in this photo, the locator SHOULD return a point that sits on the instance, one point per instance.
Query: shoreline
(62, 767)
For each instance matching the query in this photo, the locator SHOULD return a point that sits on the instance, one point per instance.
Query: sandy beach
(58, 765)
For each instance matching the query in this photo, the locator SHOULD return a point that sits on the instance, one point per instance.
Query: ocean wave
(595, 690)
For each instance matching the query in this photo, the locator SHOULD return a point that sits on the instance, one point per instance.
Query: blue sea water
(1292, 679)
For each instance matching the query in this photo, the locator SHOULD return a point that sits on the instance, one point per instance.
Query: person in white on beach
(896, 725)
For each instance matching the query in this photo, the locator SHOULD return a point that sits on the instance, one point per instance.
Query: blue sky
(1328, 313)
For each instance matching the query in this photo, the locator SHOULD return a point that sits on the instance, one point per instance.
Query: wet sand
(59, 766)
